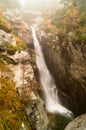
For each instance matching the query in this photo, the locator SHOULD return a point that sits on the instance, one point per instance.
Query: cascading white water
(51, 95)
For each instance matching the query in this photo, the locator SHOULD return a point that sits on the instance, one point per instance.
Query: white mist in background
(39, 4)
(22, 3)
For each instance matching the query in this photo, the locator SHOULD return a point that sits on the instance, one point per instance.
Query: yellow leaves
(72, 12)
(20, 45)
(6, 26)
(11, 110)
(48, 27)
(12, 121)
(83, 29)
(71, 18)
(10, 105)
(2, 65)
(18, 40)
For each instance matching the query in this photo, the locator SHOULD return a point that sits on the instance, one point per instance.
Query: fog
(38, 4)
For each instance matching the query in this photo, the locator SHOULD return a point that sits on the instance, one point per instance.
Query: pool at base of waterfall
(58, 109)
(57, 121)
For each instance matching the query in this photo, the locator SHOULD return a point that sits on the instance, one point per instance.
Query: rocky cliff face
(65, 59)
(15, 49)
(67, 64)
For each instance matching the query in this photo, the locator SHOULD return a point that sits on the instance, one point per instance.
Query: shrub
(81, 38)
(11, 49)
(5, 25)
(0, 22)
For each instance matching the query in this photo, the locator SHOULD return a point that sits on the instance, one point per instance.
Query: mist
(38, 4)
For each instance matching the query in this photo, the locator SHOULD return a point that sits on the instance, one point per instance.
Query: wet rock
(8, 59)
(38, 115)
(78, 123)
(26, 87)
(20, 27)
(26, 84)
(67, 64)
(5, 38)
(23, 71)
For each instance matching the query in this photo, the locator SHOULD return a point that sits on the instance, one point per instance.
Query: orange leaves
(48, 27)
(71, 18)
(11, 109)
(10, 105)
(6, 26)
(12, 121)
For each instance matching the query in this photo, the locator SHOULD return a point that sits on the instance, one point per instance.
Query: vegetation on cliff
(72, 18)
(65, 53)
(5, 25)
(68, 21)
(12, 110)
(12, 113)
(69, 18)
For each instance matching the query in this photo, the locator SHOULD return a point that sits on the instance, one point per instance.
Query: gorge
(42, 67)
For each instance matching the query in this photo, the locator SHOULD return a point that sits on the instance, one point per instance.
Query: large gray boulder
(5, 38)
(78, 123)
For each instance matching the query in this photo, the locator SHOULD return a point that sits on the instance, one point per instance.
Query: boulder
(78, 123)
(5, 38)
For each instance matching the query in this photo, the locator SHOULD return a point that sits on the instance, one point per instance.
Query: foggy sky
(39, 3)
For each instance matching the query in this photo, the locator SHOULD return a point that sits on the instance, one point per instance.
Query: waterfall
(50, 91)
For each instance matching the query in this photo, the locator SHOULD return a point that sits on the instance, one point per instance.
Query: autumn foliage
(71, 19)
(11, 109)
